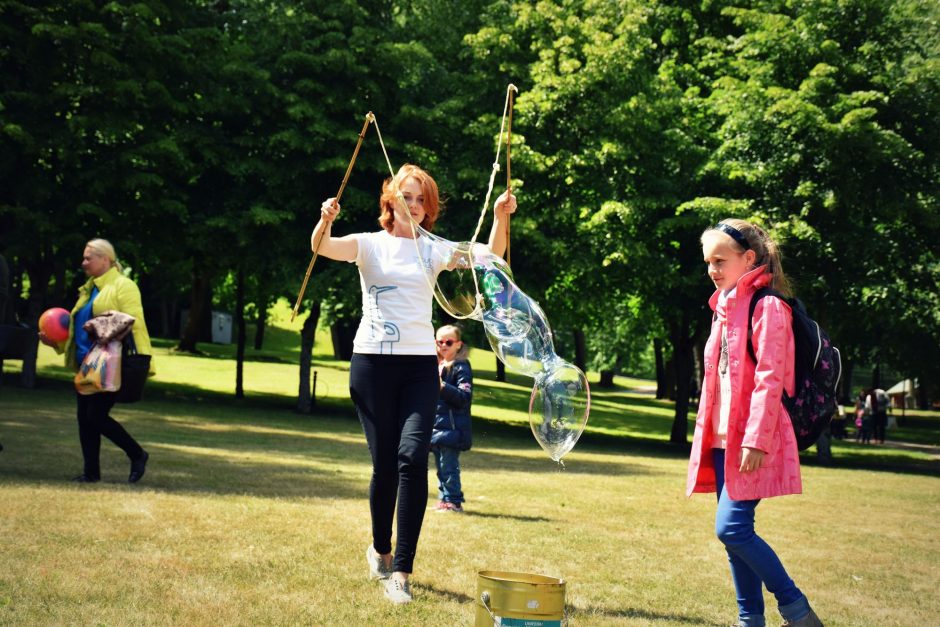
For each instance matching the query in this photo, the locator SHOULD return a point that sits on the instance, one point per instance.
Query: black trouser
(881, 425)
(94, 422)
(395, 397)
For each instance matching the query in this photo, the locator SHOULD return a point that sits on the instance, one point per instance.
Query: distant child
(863, 418)
(451, 432)
(744, 447)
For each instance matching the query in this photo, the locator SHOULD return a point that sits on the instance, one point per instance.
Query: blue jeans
(753, 562)
(447, 460)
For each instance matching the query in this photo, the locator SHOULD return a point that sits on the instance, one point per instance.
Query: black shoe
(83, 478)
(138, 466)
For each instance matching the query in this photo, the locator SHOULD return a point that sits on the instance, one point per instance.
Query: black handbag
(135, 368)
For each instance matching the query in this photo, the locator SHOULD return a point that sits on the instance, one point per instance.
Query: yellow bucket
(519, 600)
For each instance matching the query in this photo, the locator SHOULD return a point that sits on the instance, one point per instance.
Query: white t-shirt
(397, 288)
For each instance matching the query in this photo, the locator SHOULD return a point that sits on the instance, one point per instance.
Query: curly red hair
(432, 200)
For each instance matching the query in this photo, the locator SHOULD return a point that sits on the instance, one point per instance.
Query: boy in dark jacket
(451, 432)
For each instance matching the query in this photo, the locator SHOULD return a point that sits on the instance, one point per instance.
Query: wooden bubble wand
(511, 91)
(303, 288)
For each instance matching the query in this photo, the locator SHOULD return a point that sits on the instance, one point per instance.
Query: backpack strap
(758, 294)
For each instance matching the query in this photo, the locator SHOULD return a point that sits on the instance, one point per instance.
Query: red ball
(54, 323)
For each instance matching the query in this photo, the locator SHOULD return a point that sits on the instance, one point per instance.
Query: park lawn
(627, 411)
(250, 514)
(253, 514)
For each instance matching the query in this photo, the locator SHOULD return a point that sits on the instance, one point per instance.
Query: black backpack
(817, 369)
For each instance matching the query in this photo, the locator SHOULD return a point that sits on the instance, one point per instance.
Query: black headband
(735, 234)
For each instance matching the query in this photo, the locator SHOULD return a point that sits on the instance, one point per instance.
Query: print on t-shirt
(400, 323)
(425, 261)
(388, 334)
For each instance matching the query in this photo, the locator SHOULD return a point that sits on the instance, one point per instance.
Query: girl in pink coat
(744, 447)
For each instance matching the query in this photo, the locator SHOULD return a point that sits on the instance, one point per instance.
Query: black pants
(395, 397)
(94, 422)
(881, 425)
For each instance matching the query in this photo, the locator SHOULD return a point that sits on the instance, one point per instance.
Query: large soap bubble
(479, 285)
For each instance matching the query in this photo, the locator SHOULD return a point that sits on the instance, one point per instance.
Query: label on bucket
(526, 622)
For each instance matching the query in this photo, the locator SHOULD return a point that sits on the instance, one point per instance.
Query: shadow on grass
(580, 613)
(476, 514)
(303, 432)
(287, 354)
(446, 595)
(635, 413)
(192, 449)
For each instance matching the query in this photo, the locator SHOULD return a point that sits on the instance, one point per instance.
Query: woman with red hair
(393, 374)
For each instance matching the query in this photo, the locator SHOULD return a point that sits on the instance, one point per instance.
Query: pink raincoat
(758, 418)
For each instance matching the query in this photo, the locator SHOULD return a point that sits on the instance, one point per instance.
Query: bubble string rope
(303, 288)
(510, 91)
(441, 299)
(515, 325)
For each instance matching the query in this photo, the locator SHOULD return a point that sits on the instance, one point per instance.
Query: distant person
(824, 445)
(863, 417)
(879, 403)
(451, 433)
(106, 290)
(837, 426)
(393, 375)
(744, 447)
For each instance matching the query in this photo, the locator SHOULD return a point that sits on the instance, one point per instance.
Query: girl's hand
(329, 210)
(751, 459)
(505, 204)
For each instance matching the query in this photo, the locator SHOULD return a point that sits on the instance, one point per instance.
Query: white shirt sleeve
(363, 249)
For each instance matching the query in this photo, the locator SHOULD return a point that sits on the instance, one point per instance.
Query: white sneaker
(397, 591)
(377, 568)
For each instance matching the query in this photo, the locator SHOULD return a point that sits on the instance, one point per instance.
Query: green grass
(252, 514)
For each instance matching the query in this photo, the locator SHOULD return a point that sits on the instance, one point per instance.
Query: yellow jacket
(115, 292)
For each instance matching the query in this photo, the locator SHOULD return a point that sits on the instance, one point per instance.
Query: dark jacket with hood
(452, 420)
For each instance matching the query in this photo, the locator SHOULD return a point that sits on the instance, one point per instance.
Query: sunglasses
(446, 342)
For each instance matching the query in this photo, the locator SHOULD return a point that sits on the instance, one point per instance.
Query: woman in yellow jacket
(106, 290)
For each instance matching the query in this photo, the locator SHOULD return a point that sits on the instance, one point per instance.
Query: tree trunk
(923, 399)
(669, 377)
(607, 379)
(38, 275)
(165, 317)
(845, 382)
(262, 321)
(307, 338)
(684, 335)
(240, 326)
(660, 369)
(342, 334)
(62, 287)
(698, 370)
(200, 311)
(680, 426)
(34, 308)
(500, 369)
(580, 352)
